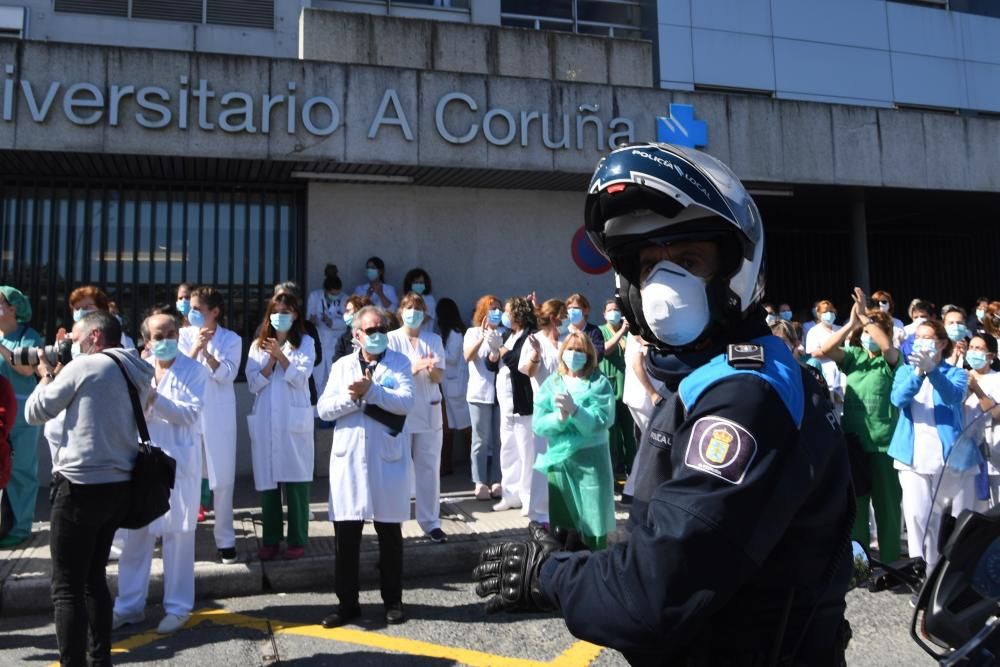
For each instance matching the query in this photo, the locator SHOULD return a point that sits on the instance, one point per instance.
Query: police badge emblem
(720, 447)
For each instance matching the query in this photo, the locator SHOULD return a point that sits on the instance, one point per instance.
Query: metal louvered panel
(102, 7)
(247, 13)
(168, 10)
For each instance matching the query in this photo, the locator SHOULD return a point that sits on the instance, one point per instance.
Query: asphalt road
(447, 626)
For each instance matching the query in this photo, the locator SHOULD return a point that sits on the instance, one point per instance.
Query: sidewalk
(471, 525)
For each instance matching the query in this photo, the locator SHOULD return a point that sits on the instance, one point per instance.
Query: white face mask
(675, 304)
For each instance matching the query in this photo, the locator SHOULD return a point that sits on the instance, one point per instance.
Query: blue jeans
(485, 442)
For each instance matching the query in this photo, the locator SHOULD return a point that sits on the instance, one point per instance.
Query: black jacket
(524, 395)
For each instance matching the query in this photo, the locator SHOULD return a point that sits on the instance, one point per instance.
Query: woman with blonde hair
(574, 409)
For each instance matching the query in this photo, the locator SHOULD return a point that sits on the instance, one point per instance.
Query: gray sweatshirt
(100, 439)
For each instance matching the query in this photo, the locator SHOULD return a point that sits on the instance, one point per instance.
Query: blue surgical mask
(196, 319)
(613, 317)
(829, 317)
(575, 315)
(505, 320)
(977, 359)
(786, 315)
(869, 343)
(75, 350)
(371, 274)
(924, 345)
(165, 350)
(419, 288)
(771, 319)
(281, 322)
(574, 359)
(348, 318)
(495, 316)
(413, 317)
(980, 314)
(376, 343)
(956, 332)
(79, 314)
(183, 306)
(563, 328)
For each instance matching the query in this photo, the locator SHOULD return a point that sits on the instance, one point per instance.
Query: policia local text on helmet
(737, 548)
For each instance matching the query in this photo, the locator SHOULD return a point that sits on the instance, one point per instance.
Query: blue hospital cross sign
(680, 127)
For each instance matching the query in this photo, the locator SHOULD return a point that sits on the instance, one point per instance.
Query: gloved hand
(565, 404)
(508, 573)
(493, 341)
(925, 360)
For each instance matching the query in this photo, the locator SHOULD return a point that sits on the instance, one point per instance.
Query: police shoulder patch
(720, 447)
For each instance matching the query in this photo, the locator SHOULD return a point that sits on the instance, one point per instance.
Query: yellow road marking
(580, 654)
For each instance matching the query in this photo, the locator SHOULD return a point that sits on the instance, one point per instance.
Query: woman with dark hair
(984, 394)
(278, 367)
(345, 344)
(376, 289)
(929, 394)
(418, 281)
(325, 309)
(457, 422)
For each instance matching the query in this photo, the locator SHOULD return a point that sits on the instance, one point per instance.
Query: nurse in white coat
(424, 422)
(172, 416)
(325, 309)
(419, 281)
(378, 292)
(281, 424)
(369, 394)
(219, 350)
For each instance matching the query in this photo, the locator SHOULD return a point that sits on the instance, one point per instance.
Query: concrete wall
(864, 52)
(471, 241)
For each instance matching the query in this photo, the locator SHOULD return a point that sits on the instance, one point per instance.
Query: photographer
(91, 470)
(15, 315)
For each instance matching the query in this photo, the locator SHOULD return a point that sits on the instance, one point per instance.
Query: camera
(60, 353)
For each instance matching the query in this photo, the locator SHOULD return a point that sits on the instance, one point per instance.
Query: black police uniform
(739, 537)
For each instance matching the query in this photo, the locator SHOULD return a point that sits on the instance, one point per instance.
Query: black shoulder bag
(153, 473)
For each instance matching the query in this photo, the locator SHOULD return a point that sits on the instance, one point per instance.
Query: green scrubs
(23, 486)
(622, 434)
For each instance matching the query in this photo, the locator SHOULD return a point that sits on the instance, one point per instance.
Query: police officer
(737, 550)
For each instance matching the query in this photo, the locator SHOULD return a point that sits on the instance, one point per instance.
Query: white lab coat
(425, 416)
(369, 468)
(218, 418)
(548, 354)
(387, 289)
(281, 421)
(173, 421)
(456, 382)
(318, 307)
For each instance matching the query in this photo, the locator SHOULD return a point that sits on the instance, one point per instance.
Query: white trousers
(923, 523)
(425, 449)
(994, 499)
(178, 572)
(222, 507)
(534, 491)
(510, 464)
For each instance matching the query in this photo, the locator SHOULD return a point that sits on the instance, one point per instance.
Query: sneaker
(437, 535)
(482, 492)
(496, 491)
(121, 620)
(394, 614)
(294, 553)
(342, 615)
(268, 552)
(201, 514)
(171, 623)
(505, 505)
(228, 556)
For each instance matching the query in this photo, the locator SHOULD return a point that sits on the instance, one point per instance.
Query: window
(138, 242)
(609, 18)
(246, 13)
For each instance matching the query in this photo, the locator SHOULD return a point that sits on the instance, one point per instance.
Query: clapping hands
(565, 404)
(360, 387)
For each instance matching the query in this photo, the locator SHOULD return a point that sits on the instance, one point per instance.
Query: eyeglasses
(374, 330)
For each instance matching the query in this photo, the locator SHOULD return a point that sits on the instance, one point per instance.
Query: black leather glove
(508, 573)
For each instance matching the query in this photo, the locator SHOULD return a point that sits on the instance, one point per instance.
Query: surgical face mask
(348, 318)
(869, 343)
(413, 317)
(829, 317)
(771, 319)
(675, 304)
(75, 350)
(980, 314)
(956, 332)
(917, 321)
(574, 359)
(786, 315)
(575, 315)
(418, 287)
(563, 328)
(505, 320)
(281, 322)
(884, 306)
(376, 343)
(371, 274)
(196, 319)
(495, 316)
(165, 350)
(924, 345)
(80, 313)
(613, 317)
(977, 359)
(183, 306)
